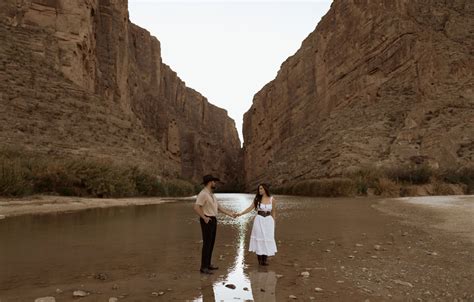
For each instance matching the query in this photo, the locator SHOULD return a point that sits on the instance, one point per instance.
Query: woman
(262, 238)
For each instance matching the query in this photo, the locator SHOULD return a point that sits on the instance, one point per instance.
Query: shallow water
(41, 251)
(157, 248)
(53, 249)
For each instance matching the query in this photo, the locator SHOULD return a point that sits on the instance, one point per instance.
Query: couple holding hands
(262, 238)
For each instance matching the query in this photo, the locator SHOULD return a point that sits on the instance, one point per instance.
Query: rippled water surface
(143, 252)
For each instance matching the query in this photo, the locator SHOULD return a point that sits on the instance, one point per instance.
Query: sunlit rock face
(378, 83)
(78, 78)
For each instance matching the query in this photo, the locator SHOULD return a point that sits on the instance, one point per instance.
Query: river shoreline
(46, 204)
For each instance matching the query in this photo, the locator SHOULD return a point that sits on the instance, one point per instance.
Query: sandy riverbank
(453, 214)
(43, 204)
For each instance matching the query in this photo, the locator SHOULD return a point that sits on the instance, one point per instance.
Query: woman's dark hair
(258, 198)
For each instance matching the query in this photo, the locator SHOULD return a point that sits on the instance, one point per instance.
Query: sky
(228, 50)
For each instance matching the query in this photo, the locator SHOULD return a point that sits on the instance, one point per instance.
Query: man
(207, 208)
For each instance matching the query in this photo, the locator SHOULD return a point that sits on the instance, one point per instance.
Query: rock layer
(378, 83)
(78, 78)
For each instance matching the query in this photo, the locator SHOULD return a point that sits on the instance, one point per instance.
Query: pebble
(305, 274)
(58, 291)
(403, 283)
(115, 287)
(80, 293)
(246, 289)
(2, 217)
(279, 276)
(152, 276)
(46, 299)
(320, 268)
(113, 299)
(292, 297)
(101, 276)
(231, 286)
(359, 245)
(318, 289)
(351, 256)
(377, 247)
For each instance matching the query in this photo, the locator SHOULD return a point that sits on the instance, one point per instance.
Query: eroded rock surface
(78, 78)
(378, 83)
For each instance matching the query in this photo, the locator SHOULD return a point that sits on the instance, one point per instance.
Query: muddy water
(152, 253)
(43, 253)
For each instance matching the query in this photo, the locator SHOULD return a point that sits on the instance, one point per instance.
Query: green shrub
(22, 173)
(413, 174)
(387, 188)
(464, 175)
(55, 177)
(14, 178)
(365, 178)
(330, 187)
(177, 187)
(147, 184)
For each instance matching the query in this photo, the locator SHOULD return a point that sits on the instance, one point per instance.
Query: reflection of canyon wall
(378, 83)
(78, 78)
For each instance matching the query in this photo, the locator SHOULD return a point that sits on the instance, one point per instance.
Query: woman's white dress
(262, 238)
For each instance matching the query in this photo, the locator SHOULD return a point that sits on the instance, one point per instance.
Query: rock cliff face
(78, 78)
(378, 83)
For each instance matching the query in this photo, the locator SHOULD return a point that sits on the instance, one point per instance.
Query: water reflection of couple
(263, 284)
(262, 238)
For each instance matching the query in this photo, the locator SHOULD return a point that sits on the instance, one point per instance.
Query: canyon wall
(377, 84)
(79, 79)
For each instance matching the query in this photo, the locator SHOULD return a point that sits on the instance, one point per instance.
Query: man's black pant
(208, 237)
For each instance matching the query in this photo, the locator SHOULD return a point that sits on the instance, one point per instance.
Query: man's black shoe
(205, 271)
(212, 267)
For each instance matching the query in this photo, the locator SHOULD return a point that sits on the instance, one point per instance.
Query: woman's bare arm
(250, 208)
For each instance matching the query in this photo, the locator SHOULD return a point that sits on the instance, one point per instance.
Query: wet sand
(353, 249)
